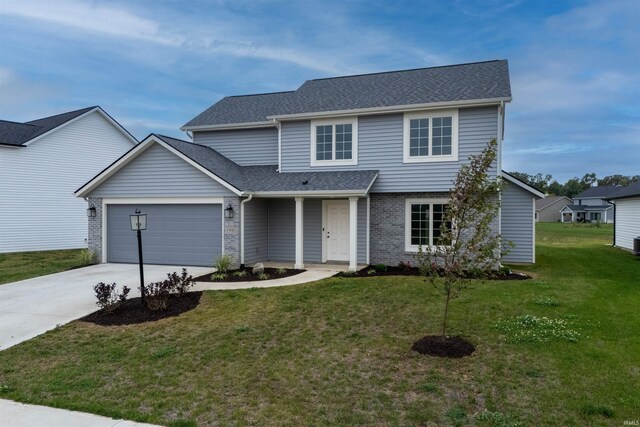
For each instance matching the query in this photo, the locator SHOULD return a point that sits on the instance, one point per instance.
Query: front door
(336, 232)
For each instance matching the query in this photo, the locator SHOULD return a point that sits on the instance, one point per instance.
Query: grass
(337, 352)
(25, 265)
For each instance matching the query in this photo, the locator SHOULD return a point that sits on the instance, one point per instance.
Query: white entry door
(336, 232)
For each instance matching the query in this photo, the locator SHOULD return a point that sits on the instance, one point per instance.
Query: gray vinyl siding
(312, 230)
(517, 223)
(256, 229)
(246, 147)
(282, 230)
(380, 147)
(159, 173)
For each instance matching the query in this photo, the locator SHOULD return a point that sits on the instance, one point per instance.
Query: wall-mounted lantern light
(228, 212)
(91, 212)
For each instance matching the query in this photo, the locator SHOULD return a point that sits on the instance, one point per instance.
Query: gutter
(242, 203)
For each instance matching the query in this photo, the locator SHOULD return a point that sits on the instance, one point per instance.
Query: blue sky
(153, 65)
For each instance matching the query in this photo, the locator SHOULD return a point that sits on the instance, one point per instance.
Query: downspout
(277, 124)
(189, 135)
(242, 229)
(614, 221)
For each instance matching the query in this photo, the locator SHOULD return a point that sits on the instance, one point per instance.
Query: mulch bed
(250, 277)
(132, 311)
(415, 271)
(438, 346)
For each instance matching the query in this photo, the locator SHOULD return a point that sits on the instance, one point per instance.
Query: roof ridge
(19, 123)
(62, 114)
(405, 70)
(260, 94)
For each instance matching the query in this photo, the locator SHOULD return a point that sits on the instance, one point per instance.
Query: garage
(176, 234)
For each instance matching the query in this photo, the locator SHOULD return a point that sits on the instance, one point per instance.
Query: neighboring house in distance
(548, 209)
(591, 205)
(354, 169)
(41, 163)
(626, 214)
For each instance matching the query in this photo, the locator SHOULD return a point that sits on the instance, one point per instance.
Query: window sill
(320, 163)
(432, 159)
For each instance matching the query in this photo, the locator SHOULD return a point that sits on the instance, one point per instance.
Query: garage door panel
(175, 234)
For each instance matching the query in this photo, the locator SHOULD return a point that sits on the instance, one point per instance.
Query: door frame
(325, 218)
(154, 201)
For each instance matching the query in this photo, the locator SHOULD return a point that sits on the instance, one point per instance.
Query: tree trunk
(446, 312)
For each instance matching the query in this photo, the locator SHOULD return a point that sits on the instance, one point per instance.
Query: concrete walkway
(304, 277)
(31, 307)
(14, 414)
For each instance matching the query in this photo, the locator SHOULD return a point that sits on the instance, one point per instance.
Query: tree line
(573, 186)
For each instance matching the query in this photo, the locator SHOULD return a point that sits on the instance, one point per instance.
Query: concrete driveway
(30, 307)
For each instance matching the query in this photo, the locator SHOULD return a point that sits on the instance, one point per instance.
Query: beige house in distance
(548, 209)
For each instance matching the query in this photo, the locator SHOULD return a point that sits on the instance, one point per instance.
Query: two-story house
(591, 205)
(41, 163)
(354, 169)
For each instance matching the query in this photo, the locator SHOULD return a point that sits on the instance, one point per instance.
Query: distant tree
(555, 189)
(588, 180)
(573, 186)
(620, 180)
(539, 181)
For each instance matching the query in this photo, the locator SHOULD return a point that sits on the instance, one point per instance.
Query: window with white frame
(423, 222)
(430, 136)
(334, 142)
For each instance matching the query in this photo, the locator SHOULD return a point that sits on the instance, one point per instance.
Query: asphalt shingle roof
(630, 190)
(479, 80)
(266, 178)
(548, 201)
(601, 191)
(17, 134)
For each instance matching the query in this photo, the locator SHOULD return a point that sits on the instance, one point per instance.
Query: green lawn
(337, 352)
(25, 265)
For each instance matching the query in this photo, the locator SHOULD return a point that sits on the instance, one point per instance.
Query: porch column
(299, 233)
(353, 233)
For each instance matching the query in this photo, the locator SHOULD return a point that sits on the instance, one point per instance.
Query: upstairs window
(431, 136)
(334, 142)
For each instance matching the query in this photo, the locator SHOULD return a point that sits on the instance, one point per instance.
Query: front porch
(305, 232)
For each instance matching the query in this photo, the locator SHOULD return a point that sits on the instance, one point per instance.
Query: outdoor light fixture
(91, 212)
(228, 212)
(139, 223)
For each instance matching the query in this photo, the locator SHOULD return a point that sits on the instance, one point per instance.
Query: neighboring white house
(626, 203)
(42, 162)
(591, 205)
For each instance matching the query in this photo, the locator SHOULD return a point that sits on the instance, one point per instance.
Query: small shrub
(263, 276)
(504, 271)
(371, 271)
(218, 277)
(404, 266)
(158, 294)
(184, 282)
(240, 273)
(223, 262)
(108, 297)
(349, 273)
(380, 268)
(281, 271)
(5, 389)
(87, 257)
